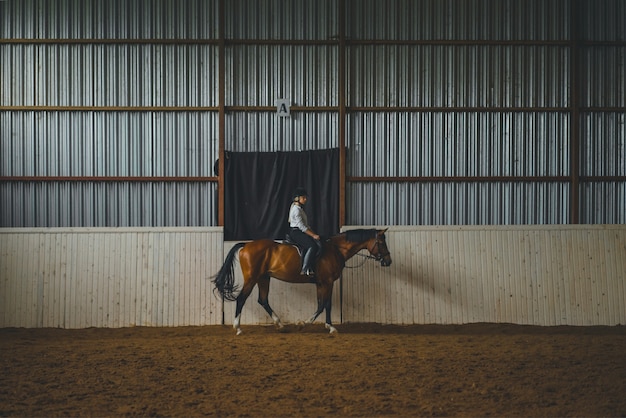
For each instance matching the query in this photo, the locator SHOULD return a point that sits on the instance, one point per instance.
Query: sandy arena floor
(365, 370)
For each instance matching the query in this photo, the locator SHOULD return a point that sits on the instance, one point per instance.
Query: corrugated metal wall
(264, 132)
(109, 277)
(459, 75)
(507, 102)
(31, 204)
(603, 124)
(534, 275)
(440, 203)
(109, 75)
(113, 133)
(472, 145)
(484, 97)
(475, 99)
(451, 19)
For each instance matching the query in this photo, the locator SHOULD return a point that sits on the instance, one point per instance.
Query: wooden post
(574, 112)
(341, 81)
(222, 116)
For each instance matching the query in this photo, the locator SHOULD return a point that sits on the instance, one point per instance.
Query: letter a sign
(282, 108)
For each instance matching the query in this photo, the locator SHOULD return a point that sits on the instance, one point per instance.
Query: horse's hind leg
(264, 290)
(241, 300)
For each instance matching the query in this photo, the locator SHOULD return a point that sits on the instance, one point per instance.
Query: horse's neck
(349, 249)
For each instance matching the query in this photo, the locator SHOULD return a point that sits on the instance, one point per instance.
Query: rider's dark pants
(309, 246)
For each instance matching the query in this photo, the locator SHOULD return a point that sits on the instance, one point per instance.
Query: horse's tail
(224, 280)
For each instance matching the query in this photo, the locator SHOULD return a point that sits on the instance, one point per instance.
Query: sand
(364, 370)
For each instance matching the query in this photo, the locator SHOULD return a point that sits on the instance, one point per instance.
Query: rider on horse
(301, 233)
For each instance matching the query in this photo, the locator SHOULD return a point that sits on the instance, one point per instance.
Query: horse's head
(378, 249)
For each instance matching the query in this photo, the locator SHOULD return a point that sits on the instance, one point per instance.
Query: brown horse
(262, 259)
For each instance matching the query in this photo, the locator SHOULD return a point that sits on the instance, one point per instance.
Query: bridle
(380, 255)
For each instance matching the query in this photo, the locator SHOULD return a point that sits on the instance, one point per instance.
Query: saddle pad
(287, 241)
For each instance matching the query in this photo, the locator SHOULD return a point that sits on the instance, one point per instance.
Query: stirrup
(308, 272)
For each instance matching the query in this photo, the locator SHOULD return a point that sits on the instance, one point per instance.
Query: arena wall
(121, 277)
(535, 275)
(109, 277)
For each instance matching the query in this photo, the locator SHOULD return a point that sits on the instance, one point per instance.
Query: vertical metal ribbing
(222, 114)
(574, 113)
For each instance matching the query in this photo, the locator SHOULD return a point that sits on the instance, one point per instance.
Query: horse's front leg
(324, 302)
(320, 308)
(322, 293)
(329, 323)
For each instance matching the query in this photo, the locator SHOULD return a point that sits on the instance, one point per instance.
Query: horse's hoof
(239, 331)
(331, 329)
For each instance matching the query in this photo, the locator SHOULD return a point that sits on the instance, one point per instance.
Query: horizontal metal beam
(110, 108)
(349, 109)
(107, 179)
(601, 179)
(480, 179)
(350, 179)
(101, 41)
(333, 41)
(456, 109)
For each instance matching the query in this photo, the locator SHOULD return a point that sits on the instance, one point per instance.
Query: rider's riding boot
(307, 270)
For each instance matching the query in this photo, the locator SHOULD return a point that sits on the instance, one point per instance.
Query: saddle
(288, 241)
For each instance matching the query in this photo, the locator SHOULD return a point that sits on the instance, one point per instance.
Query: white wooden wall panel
(539, 275)
(109, 277)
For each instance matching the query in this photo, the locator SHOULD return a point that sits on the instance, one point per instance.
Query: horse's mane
(360, 235)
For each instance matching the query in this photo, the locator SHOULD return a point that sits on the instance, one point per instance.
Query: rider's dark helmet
(300, 191)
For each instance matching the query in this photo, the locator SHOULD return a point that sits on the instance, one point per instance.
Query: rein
(378, 257)
(365, 256)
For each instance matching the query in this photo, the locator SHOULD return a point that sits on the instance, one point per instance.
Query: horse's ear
(382, 231)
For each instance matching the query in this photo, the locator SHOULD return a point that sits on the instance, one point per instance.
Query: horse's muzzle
(385, 263)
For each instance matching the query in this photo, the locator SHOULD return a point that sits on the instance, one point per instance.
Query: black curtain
(259, 187)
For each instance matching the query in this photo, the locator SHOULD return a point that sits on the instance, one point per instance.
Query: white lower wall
(536, 275)
(120, 277)
(109, 277)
